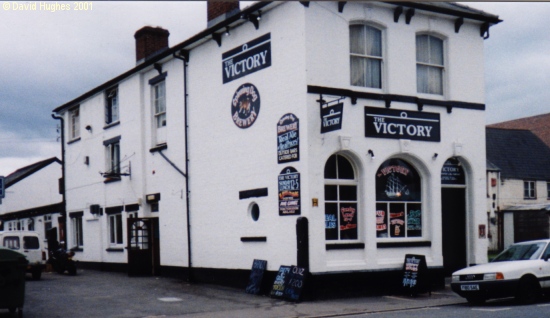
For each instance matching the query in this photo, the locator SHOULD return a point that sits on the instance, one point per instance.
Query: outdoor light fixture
(259, 15)
(89, 128)
(371, 154)
(435, 156)
(226, 31)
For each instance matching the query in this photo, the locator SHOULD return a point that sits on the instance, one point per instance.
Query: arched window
(429, 64)
(365, 55)
(398, 200)
(340, 199)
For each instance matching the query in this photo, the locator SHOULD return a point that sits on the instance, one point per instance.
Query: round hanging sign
(245, 105)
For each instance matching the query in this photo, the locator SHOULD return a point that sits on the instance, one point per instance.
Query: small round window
(254, 211)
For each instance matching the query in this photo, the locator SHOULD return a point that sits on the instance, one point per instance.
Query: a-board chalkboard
(256, 276)
(288, 283)
(415, 274)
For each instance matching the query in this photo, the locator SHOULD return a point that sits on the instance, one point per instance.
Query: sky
(49, 57)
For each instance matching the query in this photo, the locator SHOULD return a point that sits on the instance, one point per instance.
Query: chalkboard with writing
(256, 276)
(288, 283)
(415, 274)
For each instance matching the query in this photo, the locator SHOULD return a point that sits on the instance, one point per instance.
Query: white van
(29, 244)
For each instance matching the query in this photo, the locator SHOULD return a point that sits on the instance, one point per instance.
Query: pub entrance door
(453, 208)
(143, 247)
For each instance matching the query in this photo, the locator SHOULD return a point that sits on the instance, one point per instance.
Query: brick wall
(150, 40)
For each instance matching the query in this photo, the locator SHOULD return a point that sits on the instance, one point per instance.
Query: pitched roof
(26, 171)
(539, 125)
(519, 154)
(453, 9)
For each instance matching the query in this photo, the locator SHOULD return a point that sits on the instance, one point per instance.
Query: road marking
(491, 310)
(170, 299)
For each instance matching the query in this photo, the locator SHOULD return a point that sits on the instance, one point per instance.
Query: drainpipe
(184, 56)
(64, 201)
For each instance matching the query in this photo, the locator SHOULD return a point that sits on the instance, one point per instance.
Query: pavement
(107, 294)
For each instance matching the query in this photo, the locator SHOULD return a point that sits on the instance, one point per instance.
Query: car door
(544, 279)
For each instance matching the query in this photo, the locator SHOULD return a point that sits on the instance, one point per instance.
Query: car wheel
(476, 300)
(529, 290)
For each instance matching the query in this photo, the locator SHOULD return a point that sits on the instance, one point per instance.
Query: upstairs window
(529, 191)
(365, 56)
(111, 106)
(159, 102)
(429, 64)
(340, 199)
(112, 156)
(74, 123)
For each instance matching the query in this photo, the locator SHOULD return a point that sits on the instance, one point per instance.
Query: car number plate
(469, 287)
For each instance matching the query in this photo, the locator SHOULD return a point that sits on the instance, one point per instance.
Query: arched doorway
(453, 209)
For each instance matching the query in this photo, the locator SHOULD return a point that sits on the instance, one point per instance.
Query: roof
(452, 9)
(539, 125)
(26, 171)
(519, 154)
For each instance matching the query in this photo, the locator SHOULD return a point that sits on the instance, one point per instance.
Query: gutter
(64, 200)
(183, 55)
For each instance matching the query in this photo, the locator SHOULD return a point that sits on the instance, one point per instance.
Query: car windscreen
(521, 252)
(31, 243)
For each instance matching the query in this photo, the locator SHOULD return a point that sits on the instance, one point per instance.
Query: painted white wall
(312, 48)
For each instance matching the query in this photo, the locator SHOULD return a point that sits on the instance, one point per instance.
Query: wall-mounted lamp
(435, 156)
(259, 15)
(371, 154)
(89, 128)
(226, 31)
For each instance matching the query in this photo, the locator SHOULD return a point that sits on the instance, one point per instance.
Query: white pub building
(335, 136)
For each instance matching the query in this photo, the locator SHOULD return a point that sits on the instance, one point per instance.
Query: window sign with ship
(398, 200)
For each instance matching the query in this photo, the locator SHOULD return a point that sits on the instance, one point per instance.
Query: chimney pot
(150, 41)
(217, 10)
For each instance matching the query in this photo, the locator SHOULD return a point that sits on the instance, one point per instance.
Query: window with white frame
(47, 222)
(429, 64)
(111, 106)
(115, 229)
(159, 103)
(77, 236)
(74, 123)
(112, 155)
(365, 55)
(398, 200)
(529, 190)
(340, 199)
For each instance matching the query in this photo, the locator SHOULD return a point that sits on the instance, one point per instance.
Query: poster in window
(289, 192)
(331, 221)
(396, 180)
(452, 172)
(348, 221)
(381, 220)
(288, 139)
(397, 219)
(414, 219)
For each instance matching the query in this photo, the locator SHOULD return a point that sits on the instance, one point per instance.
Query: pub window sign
(402, 124)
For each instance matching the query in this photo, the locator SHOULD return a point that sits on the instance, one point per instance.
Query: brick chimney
(149, 42)
(219, 10)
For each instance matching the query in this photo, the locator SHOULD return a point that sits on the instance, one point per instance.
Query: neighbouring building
(518, 187)
(336, 136)
(33, 199)
(539, 125)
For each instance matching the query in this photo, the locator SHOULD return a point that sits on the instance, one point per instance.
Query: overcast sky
(49, 58)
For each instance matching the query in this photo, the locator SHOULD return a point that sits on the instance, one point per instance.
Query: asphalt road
(106, 294)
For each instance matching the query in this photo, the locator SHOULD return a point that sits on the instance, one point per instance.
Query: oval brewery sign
(245, 105)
